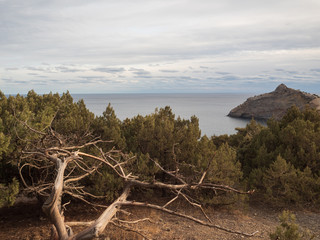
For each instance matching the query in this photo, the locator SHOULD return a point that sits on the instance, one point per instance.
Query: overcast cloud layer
(115, 46)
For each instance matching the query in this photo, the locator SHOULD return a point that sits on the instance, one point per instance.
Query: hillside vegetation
(281, 161)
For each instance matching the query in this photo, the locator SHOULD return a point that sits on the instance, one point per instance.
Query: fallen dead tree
(54, 166)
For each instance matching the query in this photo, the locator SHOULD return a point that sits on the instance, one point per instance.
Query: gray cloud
(62, 28)
(7, 80)
(54, 81)
(292, 72)
(94, 80)
(144, 77)
(66, 69)
(168, 71)
(231, 40)
(90, 77)
(38, 69)
(19, 82)
(139, 71)
(12, 69)
(223, 73)
(109, 70)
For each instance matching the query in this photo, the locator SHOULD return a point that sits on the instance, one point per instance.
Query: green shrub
(8, 193)
(280, 182)
(281, 160)
(106, 184)
(224, 170)
(288, 229)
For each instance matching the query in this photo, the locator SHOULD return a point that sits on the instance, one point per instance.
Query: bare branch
(79, 147)
(30, 128)
(76, 179)
(167, 172)
(205, 172)
(73, 164)
(98, 226)
(81, 197)
(141, 204)
(133, 222)
(72, 224)
(52, 207)
(171, 201)
(221, 187)
(102, 160)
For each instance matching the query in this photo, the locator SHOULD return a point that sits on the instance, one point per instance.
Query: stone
(274, 104)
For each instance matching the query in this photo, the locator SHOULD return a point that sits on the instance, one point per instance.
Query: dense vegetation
(281, 160)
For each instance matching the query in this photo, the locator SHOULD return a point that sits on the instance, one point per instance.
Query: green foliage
(9, 143)
(141, 165)
(108, 127)
(4, 149)
(106, 184)
(219, 140)
(8, 193)
(224, 169)
(164, 138)
(288, 229)
(280, 181)
(40, 112)
(72, 118)
(282, 159)
(308, 186)
(245, 142)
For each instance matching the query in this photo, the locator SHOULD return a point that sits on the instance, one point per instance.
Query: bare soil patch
(27, 222)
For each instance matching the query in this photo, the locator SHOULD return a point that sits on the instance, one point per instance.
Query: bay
(210, 108)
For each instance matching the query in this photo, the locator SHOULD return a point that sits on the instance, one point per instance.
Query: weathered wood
(98, 226)
(52, 206)
(63, 154)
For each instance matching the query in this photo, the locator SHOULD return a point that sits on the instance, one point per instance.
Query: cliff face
(274, 104)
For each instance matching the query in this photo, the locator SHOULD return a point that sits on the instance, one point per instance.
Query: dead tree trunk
(98, 226)
(67, 159)
(52, 207)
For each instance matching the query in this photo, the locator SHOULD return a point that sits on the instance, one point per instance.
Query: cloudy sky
(120, 46)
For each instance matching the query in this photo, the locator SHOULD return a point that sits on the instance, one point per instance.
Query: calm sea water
(210, 108)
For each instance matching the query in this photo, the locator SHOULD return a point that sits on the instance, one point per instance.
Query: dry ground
(27, 222)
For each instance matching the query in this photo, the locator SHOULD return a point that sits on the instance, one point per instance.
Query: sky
(159, 46)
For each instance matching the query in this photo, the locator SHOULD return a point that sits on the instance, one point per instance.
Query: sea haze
(210, 108)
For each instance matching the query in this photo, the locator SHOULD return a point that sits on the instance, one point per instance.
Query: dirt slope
(27, 222)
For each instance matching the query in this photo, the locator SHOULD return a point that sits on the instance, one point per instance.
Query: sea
(210, 108)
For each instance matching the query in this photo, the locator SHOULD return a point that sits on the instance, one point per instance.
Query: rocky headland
(275, 104)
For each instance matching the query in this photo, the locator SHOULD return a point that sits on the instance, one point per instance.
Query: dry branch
(98, 226)
(52, 207)
(71, 166)
(142, 204)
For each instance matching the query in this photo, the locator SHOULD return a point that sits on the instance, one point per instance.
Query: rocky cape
(275, 104)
